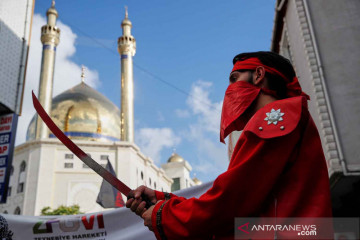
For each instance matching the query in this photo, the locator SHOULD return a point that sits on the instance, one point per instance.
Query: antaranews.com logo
(294, 228)
(303, 230)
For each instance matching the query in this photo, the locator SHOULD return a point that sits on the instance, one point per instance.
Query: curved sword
(105, 174)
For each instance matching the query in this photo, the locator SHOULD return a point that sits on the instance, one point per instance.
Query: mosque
(45, 173)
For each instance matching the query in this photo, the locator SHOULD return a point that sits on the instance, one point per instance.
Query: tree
(61, 210)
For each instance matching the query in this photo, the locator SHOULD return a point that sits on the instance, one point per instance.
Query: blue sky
(187, 44)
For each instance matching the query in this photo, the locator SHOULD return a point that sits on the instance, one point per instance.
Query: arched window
(5, 212)
(17, 211)
(142, 175)
(22, 167)
(149, 181)
(155, 185)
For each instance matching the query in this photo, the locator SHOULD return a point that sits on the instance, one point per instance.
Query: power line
(138, 66)
(143, 69)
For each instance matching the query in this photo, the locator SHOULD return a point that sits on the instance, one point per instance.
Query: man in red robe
(277, 168)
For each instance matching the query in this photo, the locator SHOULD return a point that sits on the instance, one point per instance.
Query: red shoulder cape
(272, 171)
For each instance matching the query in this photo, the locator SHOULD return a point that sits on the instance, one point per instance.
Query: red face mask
(238, 98)
(240, 95)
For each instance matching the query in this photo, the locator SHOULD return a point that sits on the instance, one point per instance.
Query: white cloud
(182, 113)
(204, 133)
(66, 75)
(210, 158)
(208, 113)
(204, 168)
(153, 140)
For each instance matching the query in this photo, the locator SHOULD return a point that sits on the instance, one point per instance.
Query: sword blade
(105, 174)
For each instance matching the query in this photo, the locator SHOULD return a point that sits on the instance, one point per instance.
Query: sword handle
(147, 200)
(143, 198)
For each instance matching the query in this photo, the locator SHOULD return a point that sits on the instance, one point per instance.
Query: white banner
(108, 225)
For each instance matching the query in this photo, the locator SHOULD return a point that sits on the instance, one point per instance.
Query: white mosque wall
(77, 188)
(46, 177)
(131, 162)
(53, 176)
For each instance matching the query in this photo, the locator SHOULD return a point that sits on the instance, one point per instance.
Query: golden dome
(83, 113)
(197, 181)
(175, 158)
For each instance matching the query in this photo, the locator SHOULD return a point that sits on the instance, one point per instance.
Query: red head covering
(292, 85)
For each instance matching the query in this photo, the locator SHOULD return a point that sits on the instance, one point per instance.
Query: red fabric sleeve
(239, 192)
(159, 195)
(163, 195)
(154, 217)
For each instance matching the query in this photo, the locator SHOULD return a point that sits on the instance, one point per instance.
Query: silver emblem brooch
(274, 116)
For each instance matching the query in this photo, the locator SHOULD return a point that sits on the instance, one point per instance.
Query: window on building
(155, 185)
(68, 165)
(69, 156)
(187, 183)
(5, 212)
(176, 184)
(9, 191)
(20, 188)
(104, 157)
(22, 176)
(12, 170)
(22, 167)
(142, 175)
(149, 181)
(17, 211)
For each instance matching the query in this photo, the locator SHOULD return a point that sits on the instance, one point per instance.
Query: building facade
(15, 31)
(15, 27)
(321, 40)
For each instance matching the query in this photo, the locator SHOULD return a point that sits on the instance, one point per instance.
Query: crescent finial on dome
(82, 73)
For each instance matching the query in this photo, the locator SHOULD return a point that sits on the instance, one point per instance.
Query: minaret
(50, 39)
(127, 49)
